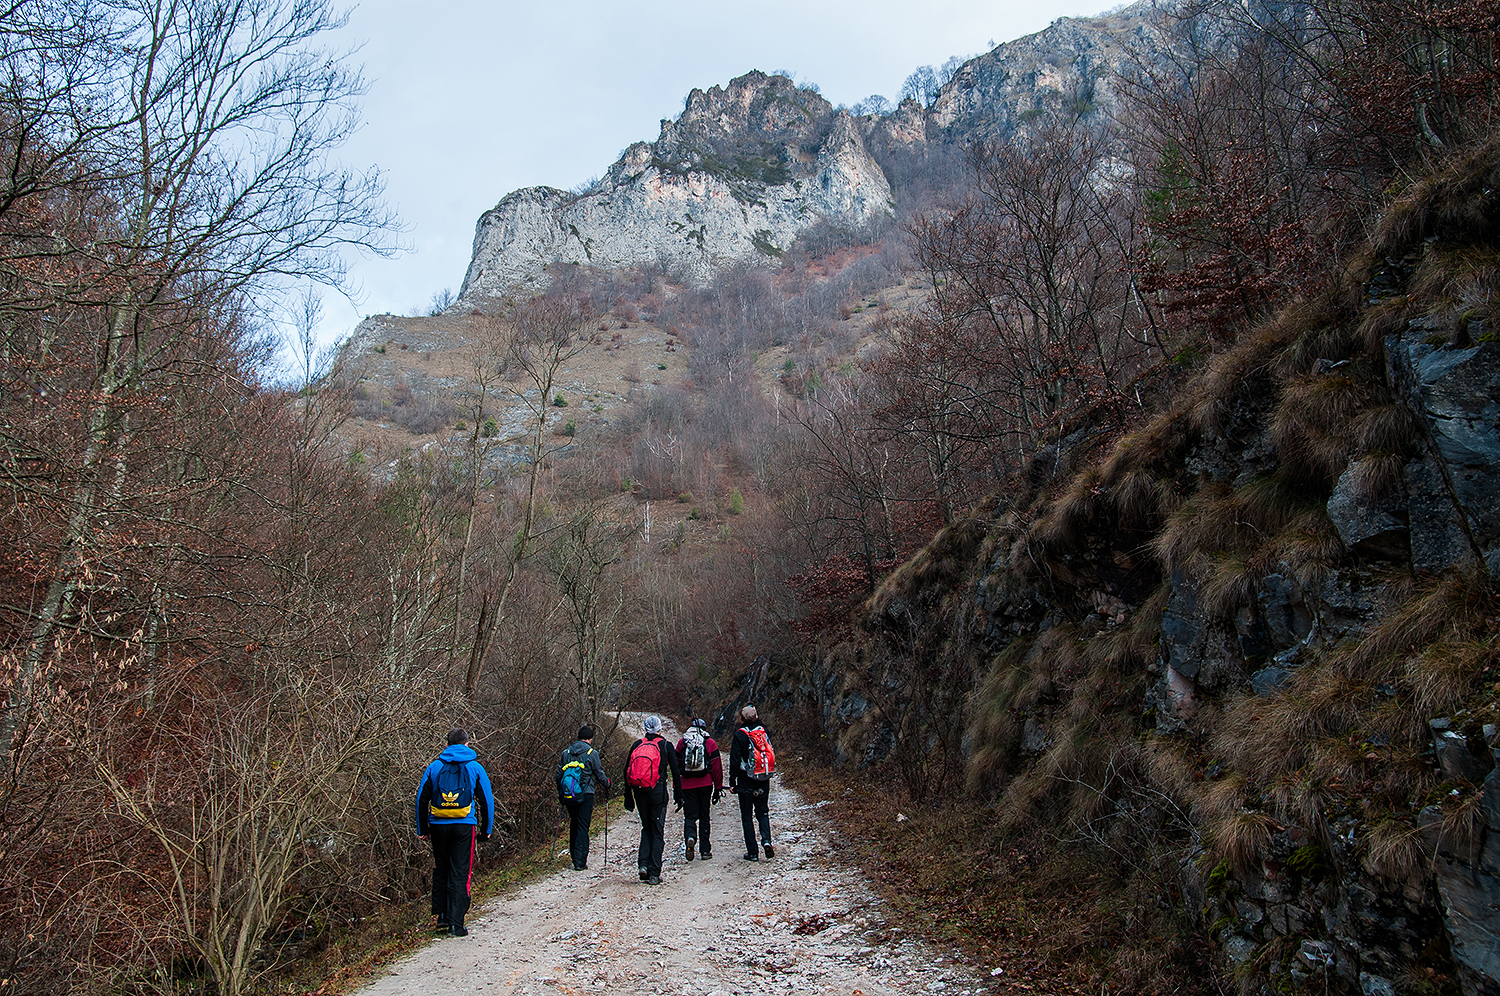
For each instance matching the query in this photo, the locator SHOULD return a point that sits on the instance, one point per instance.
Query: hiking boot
(458, 930)
(706, 854)
(690, 850)
(654, 880)
(645, 874)
(441, 928)
(752, 857)
(578, 867)
(770, 851)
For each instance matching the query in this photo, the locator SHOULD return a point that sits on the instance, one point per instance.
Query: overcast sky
(470, 100)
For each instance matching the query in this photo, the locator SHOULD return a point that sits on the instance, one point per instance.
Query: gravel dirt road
(796, 923)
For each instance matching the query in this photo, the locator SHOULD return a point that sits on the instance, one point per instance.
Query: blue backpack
(454, 795)
(573, 769)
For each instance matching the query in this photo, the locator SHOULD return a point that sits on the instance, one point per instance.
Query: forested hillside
(1129, 492)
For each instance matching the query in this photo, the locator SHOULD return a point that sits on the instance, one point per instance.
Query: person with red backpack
(455, 808)
(702, 783)
(752, 761)
(650, 760)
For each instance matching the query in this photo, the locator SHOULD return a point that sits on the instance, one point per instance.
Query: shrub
(736, 502)
(570, 428)
(559, 402)
(490, 428)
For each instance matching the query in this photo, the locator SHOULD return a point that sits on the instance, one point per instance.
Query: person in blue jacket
(455, 807)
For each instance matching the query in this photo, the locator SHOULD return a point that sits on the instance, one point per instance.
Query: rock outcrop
(747, 168)
(741, 173)
(1297, 658)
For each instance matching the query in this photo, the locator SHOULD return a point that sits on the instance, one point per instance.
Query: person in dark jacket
(651, 800)
(580, 766)
(455, 807)
(700, 786)
(754, 793)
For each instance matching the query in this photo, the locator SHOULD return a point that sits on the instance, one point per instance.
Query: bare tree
(540, 336)
(1030, 319)
(267, 800)
(579, 560)
(206, 164)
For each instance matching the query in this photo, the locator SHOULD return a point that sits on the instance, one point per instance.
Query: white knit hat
(653, 724)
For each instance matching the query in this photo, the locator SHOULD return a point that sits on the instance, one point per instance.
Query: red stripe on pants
(469, 885)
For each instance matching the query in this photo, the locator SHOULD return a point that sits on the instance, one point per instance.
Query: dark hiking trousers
(755, 807)
(653, 836)
(452, 871)
(695, 803)
(580, 815)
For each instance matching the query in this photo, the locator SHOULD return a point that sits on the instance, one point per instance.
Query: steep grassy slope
(1246, 645)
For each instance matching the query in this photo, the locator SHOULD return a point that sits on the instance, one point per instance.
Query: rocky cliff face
(1261, 625)
(1075, 64)
(739, 175)
(748, 167)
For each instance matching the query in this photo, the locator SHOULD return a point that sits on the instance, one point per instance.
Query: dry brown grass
(1454, 608)
(1450, 203)
(1311, 425)
(1377, 475)
(993, 723)
(949, 555)
(1063, 525)
(1393, 850)
(1391, 428)
(1240, 837)
(1230, 583)
(1323, 328)
(1270, 737)
(1221, 799)
(1302, 801)
(1382, 320)
(1442, 676)
(1057, 912)
(1334, 760)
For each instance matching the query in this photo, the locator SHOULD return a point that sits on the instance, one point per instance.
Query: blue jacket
(483, 813)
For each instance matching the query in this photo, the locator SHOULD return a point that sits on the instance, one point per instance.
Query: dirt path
(798, 923)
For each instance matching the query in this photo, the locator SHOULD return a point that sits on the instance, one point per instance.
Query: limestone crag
(1074, 65)
(740, 174)
(747, 168)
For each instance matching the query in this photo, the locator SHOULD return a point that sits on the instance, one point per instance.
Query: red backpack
(761, 762)
(643, 770)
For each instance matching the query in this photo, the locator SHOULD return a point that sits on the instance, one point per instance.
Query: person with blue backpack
(455, 810)
(578, 773)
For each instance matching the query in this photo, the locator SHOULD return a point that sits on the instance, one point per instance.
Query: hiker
(579, 771)
(647, 765)
(454, 801)
(751, 763)
(702, 784)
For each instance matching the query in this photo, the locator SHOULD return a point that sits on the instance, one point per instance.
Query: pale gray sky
(471, 100)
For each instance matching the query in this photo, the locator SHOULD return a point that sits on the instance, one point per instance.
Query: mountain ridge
(748, 167)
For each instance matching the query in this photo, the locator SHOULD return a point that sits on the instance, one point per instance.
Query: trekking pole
(606, 830)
